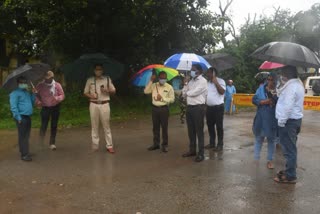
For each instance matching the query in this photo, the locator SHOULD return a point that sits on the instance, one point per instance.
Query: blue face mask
(193, 74)
(23, 85)
(162, 81)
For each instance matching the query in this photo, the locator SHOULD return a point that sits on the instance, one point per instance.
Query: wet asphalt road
(73, 180)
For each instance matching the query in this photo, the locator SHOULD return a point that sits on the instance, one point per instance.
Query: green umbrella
(82, 68)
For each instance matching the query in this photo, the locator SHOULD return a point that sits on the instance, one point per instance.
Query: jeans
(214, 117)
(24, 129)
(160, 116)
(258, 146)
(288, 141)
(195, 122)
(47, 113)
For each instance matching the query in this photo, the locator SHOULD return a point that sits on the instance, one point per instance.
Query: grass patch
(75, 110)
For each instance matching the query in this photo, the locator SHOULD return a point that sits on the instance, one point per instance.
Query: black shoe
(189, 154)
(153, 147)
(210, 146)
(26, 158)
(199, 158)
(218, 149)
(164, 149)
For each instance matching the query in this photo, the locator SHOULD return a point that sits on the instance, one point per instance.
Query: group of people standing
(204, 99)
(279, 112)
(48, 95)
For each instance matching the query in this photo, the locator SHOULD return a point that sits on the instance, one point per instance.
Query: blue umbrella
(184, 61)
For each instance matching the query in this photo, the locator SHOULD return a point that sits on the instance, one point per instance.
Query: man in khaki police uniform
(98, 90)
(162, 96)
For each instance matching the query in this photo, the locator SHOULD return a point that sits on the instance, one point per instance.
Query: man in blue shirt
(289, 112)
(21, 105)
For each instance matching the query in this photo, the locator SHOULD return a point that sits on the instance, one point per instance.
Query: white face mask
(162, 81)
(282, 80)
(193, 74)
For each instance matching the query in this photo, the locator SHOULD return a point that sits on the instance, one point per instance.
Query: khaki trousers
(100, 112)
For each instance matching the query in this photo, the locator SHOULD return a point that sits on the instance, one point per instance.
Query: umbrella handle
(34, 88)
(32, 84)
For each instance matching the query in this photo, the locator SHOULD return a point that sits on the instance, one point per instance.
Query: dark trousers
(160, 116)
(288, 141)
(215, 121)
(195, 122)
(24, 129)
(47, 113)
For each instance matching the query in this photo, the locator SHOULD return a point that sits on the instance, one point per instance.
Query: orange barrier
(310, 102)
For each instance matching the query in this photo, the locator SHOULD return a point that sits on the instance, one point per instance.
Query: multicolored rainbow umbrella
(142, 77)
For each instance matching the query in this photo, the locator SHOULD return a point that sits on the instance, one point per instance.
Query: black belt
(216, 105)
(100, 102)
(194, 106)
(159, 106)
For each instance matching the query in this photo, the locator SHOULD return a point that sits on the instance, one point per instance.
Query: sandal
(281, 172)
(270, 165)
(283, 180)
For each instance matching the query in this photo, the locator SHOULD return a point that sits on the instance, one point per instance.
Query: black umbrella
(287, 53)
(220, 61)
(32, 72)
(82, 68)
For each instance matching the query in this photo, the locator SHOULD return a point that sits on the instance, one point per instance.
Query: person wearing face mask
(195, 92)
(98, 89)
(21, 106)
(162, 95)
(289, 113)
(50, 95)
(265, 123)
(215, 109)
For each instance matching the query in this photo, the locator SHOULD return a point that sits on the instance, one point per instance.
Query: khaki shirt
(93, 86)
(166, 91)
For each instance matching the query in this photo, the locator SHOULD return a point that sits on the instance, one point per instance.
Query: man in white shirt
(215, 109)
(289, 112)
(195, 92)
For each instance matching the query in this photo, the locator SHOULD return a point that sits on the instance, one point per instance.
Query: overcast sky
(241, 8)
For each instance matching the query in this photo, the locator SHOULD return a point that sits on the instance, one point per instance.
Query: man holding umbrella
(21, 105)
(162, 96)
(289, 112)
(98, 89)
(196, 93)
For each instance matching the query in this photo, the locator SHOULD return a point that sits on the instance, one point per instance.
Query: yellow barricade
(242, 99)
(310, 102)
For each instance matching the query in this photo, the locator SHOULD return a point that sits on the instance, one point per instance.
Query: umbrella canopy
(221, 61)
(82, 68)
(266, 65)
(33, 73)
(142, 77)
(184, 61)
(287, 53)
